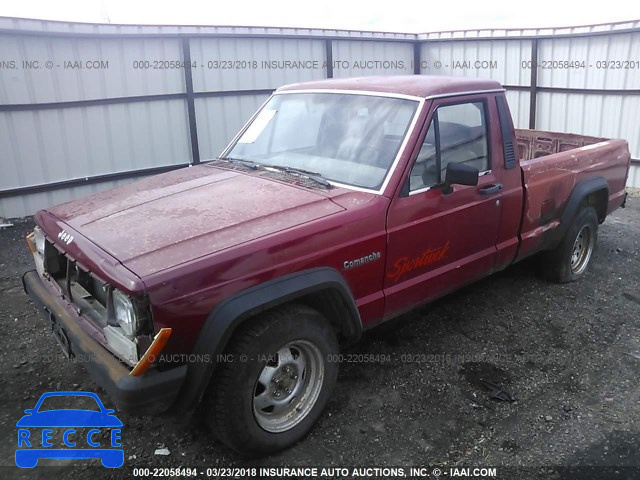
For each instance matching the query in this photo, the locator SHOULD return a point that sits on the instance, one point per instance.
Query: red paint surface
(193, 237)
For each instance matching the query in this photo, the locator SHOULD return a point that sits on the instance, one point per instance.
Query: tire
(278, 384)
(569, 260)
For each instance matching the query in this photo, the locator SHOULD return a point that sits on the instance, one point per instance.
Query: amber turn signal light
(31, 242)
(151, 355)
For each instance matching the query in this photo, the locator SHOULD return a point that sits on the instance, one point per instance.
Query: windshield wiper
(240, 161)
(315, 176)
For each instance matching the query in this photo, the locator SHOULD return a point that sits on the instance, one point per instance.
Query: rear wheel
(569, 260)
(278, 384)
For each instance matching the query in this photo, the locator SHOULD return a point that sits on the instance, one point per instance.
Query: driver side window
(425, 171)
(458, 133)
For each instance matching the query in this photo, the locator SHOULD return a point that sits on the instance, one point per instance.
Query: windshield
(351, 139)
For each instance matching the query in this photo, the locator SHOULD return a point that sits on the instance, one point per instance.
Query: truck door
(438, 242)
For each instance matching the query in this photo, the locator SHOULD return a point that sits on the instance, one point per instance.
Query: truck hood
(168, 219)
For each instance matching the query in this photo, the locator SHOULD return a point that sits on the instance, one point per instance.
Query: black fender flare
(580, 191)
(229, 314)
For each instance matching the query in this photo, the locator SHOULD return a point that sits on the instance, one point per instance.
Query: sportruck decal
(430, 256)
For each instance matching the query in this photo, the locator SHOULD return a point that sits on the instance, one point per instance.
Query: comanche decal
(348, 264)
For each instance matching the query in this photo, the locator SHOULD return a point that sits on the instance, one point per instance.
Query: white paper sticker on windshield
(257, 126)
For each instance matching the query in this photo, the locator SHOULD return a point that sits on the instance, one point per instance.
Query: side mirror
(460, 174)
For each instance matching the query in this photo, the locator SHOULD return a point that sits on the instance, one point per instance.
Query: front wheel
(569, 260)
(278, 383)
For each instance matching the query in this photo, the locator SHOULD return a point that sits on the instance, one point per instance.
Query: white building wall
(356, 59)
(60, 124)
(595, 71)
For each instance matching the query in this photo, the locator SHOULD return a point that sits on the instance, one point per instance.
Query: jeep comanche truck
(230, 285)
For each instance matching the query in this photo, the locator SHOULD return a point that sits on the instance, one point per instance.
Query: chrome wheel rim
(582, 249)
(288, 386)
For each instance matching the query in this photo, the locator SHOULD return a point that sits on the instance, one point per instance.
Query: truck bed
(552, 163)
(540, 143)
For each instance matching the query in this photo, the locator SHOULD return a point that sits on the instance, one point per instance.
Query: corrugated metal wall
(597, 113)
(66, 132)
(587, 80)
(355, 59)
(499, 60)
(259, 63)
(55, 124)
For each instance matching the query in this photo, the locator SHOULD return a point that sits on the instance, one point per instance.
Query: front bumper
(152, 393)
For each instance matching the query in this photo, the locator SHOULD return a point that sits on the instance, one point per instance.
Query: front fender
(226, 317)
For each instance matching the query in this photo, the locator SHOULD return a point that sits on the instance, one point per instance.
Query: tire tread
(221, 406)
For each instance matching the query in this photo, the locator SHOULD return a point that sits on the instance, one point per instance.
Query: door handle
(490, 189)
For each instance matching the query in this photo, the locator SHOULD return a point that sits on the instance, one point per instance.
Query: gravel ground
(568, 354)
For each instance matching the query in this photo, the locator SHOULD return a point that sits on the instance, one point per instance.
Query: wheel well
(321, 288)
(598, 200)
(330, 303)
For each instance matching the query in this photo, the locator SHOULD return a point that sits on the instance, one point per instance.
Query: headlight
(39, 240)
(125, 313)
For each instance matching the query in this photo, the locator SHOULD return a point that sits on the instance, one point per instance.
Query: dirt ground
(568, 354)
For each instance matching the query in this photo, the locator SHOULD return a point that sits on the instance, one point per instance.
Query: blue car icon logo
(43, 425)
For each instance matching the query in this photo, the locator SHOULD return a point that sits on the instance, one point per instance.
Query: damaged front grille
(92, 299)
(84, 291)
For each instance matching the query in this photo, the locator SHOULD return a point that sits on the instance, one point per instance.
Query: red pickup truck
(341, 204)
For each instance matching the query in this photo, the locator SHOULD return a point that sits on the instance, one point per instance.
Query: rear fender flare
(577, 197)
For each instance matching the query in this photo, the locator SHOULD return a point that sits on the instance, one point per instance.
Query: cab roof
(414, 85)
